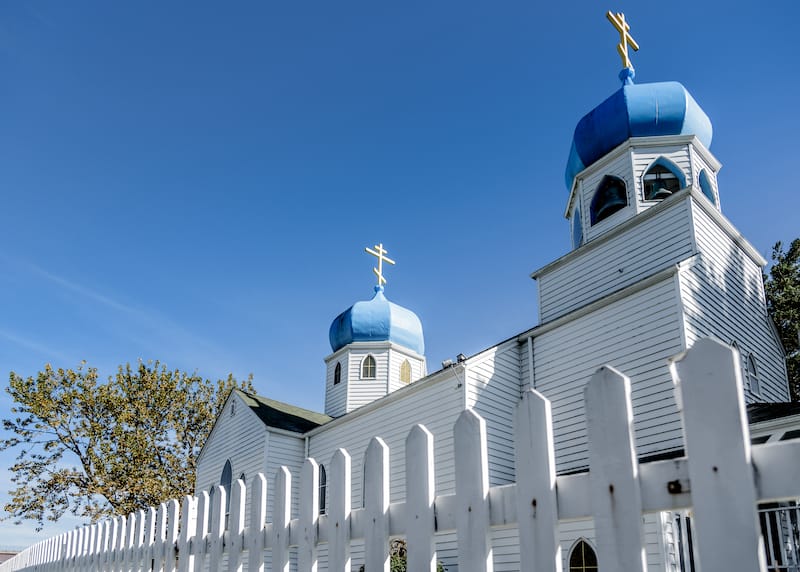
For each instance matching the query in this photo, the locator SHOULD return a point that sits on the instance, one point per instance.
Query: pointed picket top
(339, 483)
(537, 515)
(420, 495)
(255, 532)
(472, 491)
(310, 493)
(376, 505)
(614, 472)
(708, 378)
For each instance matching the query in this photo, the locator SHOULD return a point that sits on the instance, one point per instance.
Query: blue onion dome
(636, 110)
(377, 320)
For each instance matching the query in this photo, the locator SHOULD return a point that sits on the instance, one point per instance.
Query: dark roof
(757, 412)
(281, 415)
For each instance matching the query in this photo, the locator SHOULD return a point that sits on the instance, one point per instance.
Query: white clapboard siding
(637, 334)
(644, 246)
(723, 297)
(336, 395)
(699, 163)
(617, 164)
(613, 503)
(396, 358)
(234, 437)
(363, 391)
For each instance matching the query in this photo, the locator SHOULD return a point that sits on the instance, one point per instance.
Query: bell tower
(378, 347)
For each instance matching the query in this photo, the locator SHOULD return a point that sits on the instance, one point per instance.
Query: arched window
(611, 195)
(405, 372)
(323, 488)
(225, 483)
(582, 557)
(751, 371)
(337, 373)
(705, 187)
(662, 179)
(368, 368)
(577, 228)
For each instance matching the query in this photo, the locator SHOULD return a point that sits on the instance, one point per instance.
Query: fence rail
(722, 479)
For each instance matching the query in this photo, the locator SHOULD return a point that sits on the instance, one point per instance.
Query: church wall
(284, 450)
(650, 245)
(493, 390)
(396, 358)
(723, 296)
(363, 391)
(636, 335)
(698, 164)
(436, 404)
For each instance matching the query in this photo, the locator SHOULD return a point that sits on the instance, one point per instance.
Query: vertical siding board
(472, 491)
(307, 559)
(708, 379)
(376, 504)
(537, 510)
(420, 494)
(614, 472)
(339, 517)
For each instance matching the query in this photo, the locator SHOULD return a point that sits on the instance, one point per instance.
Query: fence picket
(614, 472)
(217, 528)
(236, 526)
(130, 543)
(170, 549)
(281, 516)
(309, 516)
(537, 509)
(472, 491)
(148, 542)
(119, 549)
(708, 378)
(339, 517)
(420, 494)
(201, 531)
(159, 538)
(188, 529)
(258, 518)
(376, 505)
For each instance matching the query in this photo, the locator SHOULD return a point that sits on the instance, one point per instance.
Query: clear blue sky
(195, 182)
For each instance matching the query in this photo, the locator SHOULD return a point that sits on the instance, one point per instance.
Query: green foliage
(97, 448)
(782, 287)
(397, 557)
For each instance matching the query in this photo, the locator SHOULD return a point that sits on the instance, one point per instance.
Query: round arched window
(368, 368)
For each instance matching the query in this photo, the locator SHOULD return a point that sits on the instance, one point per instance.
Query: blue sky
(196, 182)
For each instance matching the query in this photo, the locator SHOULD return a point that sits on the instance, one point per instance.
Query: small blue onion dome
(377, 320)
(636, 110)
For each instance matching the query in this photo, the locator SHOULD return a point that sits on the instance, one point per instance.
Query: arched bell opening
(661, 179)
(611, 195)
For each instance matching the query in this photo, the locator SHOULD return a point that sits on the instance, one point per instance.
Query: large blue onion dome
(636, 110)
(377, 320)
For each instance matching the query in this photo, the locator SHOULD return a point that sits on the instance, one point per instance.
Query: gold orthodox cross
(380, 254)
(625, 38)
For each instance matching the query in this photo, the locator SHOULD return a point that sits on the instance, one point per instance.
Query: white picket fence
(721, 478)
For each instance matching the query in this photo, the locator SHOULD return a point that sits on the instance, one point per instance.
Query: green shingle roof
(281, 415)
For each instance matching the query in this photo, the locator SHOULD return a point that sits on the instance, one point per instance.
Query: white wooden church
(655, 265)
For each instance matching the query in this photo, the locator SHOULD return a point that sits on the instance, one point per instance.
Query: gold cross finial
(625, 38)
(380, 254)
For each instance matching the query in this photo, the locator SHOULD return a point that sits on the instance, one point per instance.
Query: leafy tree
(398, 557)
(782, 287)
(97, 448)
